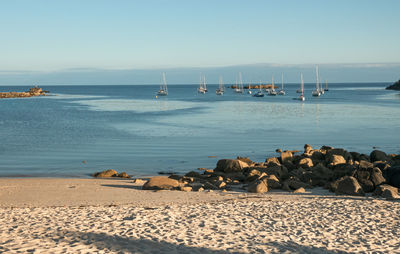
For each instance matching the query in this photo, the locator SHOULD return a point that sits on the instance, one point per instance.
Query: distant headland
(395, 86)
(34, 91)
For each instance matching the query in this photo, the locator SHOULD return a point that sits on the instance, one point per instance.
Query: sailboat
(281, 92)
(326, 86)
(220, 90)
(163, 88)
(301, 97)
(202, 88)
(249, 92)
(239, 88)
(321, 90)
(259, 93)
(271, 91)
(316, 92)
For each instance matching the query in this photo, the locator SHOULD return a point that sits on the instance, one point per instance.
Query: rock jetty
(395, 86)
(336, 169)
(34, 91)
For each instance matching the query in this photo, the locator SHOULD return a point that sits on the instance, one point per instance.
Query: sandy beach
(116, 216)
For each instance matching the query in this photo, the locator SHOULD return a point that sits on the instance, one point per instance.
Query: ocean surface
(78, 130)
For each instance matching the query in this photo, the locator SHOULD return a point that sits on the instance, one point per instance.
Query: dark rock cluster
(341, 171)
(395, 86)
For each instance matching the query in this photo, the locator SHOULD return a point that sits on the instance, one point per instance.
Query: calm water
(126, 128)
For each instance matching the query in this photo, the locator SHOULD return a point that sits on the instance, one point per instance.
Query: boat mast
(317, 84)
(240, 81)
(273, 85)
(282, 80)
(164, 82)
(302, 84)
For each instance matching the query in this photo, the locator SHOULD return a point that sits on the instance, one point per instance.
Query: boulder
(245, 160)
(336, 160)
(185, 188)
(324, 149)
(317, 157)
(252, 175)
(365, 165)
(272, 162)
(300, 190)
(307, 149)
(337, 151)
(387, 191)
(393, 176)
(286, 156)
(106, 173)
(123, 175)
(161, 183)
(258, 186)
(342, 170)
(377, 177)
(349, 185)
(228, 165)
(377, 155)
(273, 182)
(280, 171)
(306, 163)
(366, 185)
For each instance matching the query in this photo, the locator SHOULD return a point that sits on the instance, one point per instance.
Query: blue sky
(58, 35)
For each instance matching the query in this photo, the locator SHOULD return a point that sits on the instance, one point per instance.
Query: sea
(79, 130)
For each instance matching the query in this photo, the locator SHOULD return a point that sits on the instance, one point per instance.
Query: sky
(44, 37)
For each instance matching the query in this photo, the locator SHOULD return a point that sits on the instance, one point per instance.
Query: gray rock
(387, 191)
(377, 155)
(258, 186)
(349, 185)
(106, 173)
(228, 165)
(161, 183)
(377, 177)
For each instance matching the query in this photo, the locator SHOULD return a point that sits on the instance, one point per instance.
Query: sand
(115, 216)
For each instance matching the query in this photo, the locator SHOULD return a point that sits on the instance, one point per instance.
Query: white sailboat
(202, 88)
(316, 92)
(239, 87)
(249, 91)
(282, 91)
(271, 91)
(163, 87)
(220, 90)
(301, 97)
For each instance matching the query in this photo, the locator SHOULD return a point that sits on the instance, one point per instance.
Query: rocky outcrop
(341, 171)
(161, 183)
(395, 86)
(34, 91)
